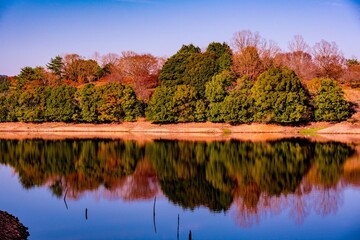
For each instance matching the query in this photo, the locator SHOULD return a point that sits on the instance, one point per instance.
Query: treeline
(111, 102)
(254, 81)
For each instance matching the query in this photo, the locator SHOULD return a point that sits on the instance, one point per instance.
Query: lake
(290, 188)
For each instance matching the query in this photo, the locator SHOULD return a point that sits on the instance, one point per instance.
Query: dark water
(115, 189)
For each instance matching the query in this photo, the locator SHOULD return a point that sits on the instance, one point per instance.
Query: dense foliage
(108, 103)
(253, 82)
(280, 97)
(330, 104)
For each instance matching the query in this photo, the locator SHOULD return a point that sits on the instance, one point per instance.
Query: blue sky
(33, 31)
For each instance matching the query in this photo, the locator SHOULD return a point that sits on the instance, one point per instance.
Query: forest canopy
(250, 80)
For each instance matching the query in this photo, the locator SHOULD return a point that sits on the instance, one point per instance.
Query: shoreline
(145, 131)
(207, 127)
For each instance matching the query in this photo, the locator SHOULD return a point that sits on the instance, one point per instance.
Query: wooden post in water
(178, 225)
(154, 220)
(65, 200)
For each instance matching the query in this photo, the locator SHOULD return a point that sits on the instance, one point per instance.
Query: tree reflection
(327, 200)
(256, 179)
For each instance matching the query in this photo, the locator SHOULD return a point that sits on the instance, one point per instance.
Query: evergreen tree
(56, 66)
(3, 109)
(238, 107)
(88, 100)
(184, 103)
(31, 105)
(4, 84)
(175, 68)
(330, 104)
(11, 104)
(61, 105)
(200, 111)
(191, 67)
(280, 97)
(215, 92)
(131, 106)
(222, 54)
(159, 108)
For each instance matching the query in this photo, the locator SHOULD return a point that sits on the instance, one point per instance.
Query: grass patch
(310, 131)
(226, 131)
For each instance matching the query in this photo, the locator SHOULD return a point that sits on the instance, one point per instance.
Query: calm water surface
(116, 189)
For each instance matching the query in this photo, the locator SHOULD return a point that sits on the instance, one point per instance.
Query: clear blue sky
(33, 31)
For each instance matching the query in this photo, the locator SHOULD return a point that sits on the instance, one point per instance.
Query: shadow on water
(253, 178)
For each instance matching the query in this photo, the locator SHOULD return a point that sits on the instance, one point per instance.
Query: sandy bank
(143, 126)
(147, 131)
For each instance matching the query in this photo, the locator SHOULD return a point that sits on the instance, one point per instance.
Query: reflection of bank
(352, 169)
(250, 178)
(11, 227)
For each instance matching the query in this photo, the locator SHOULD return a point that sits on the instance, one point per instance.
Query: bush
(280, 97)
(160, 104)
(329, 103)
(238, 107)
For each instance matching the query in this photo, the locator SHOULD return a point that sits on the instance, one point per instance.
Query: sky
(34, 31)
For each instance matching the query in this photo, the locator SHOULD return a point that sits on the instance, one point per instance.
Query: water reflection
(256, 179)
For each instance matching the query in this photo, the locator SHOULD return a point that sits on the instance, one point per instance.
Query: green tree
(112, 102)
(215, 92)
(31, 105)
(184, 103)
(32, 76)
(280, 97)
(3, 109)
(159, 108)
(61, 105)
(330, 104)
(131, 106)
(201, 68)
(238, 107)
(56, 66)
(217, 88)
(200, 111)
(222, 54)
(11, 104)
(189, 66)
(88, 99)
(4, 84)
(175, 68)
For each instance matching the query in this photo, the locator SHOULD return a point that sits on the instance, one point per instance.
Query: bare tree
(248, 63)
(252, 53)
(109, 58)
(328, 59)
(298, 59)
(139, 70)
(246, 38)
(298, 44)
